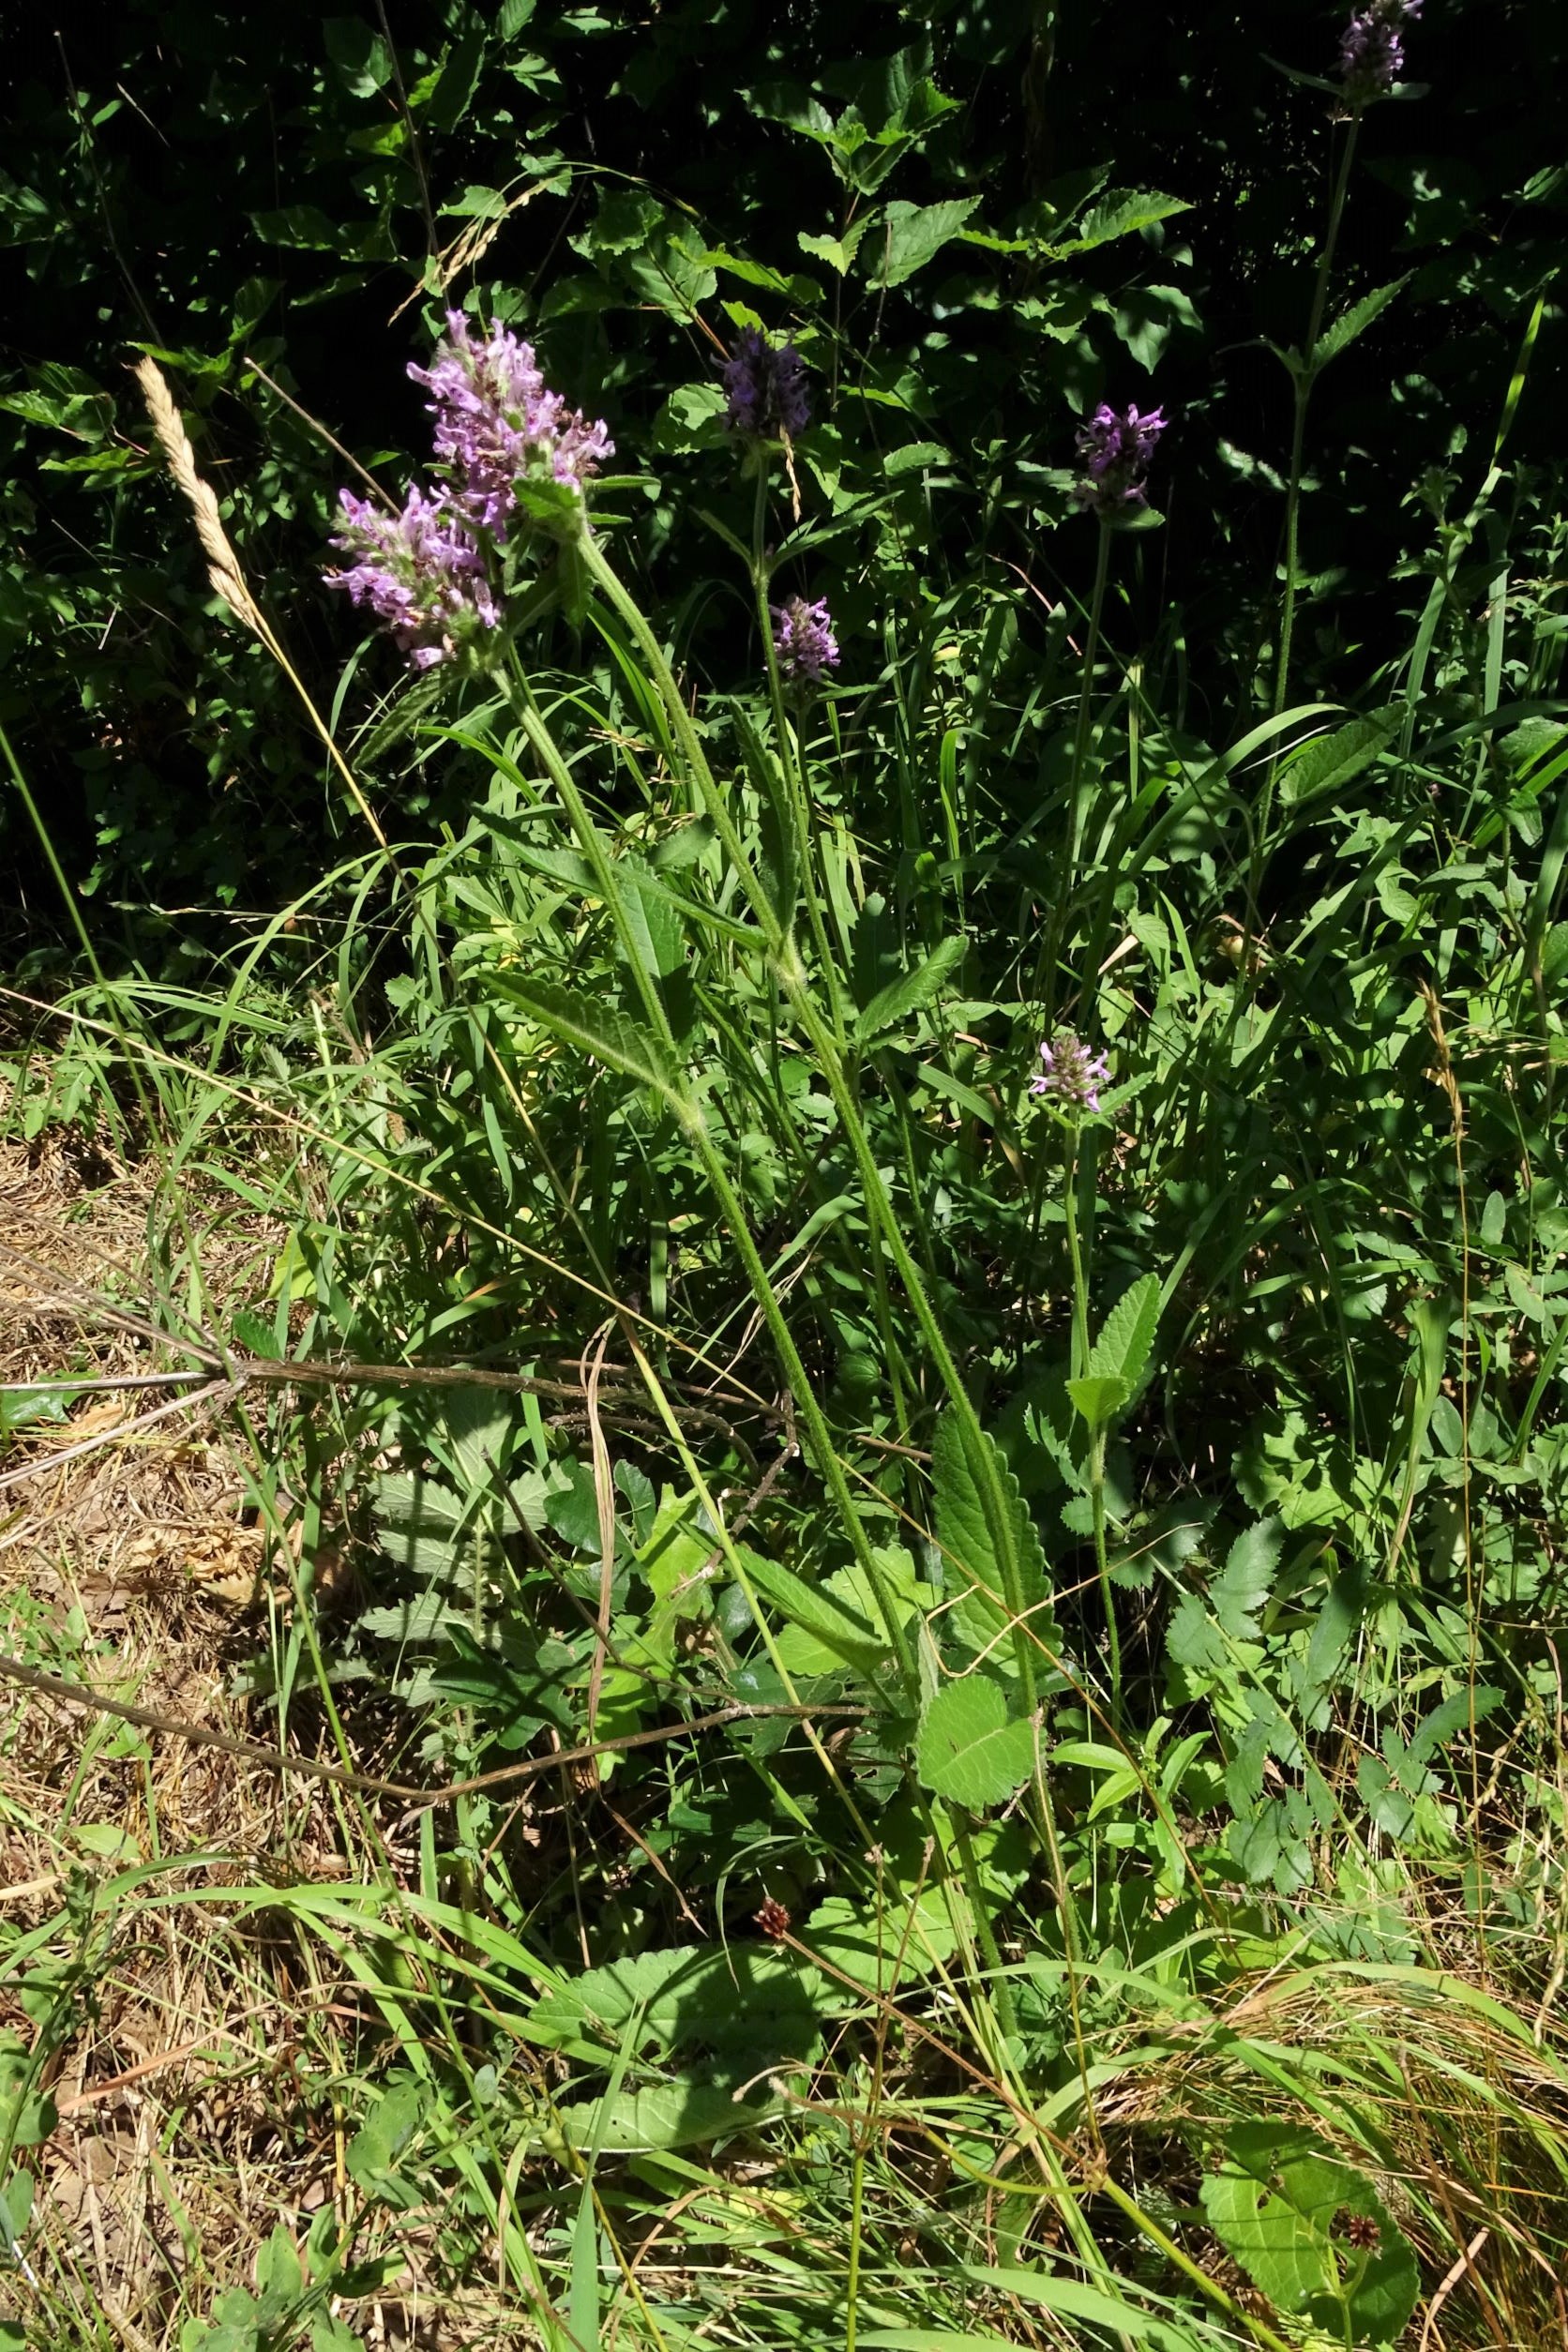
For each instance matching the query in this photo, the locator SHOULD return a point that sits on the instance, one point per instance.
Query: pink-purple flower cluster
(496, 424)
(421, 573)
(802, 642)
(1371, 49)
(764, 389)
(429, 573)
(1072, 1074)
(1115, 447)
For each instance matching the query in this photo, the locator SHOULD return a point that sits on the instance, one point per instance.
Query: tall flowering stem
(1070, 1077)
(825, 1043)
(1303, 374)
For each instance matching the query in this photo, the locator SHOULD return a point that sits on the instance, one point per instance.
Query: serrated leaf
(914, 234)
(673, 2115)
(1331, 761)
(1119, 212)
(970, 1553)
(1243, 1584)
(1355, 320)
(838, 252)
(969, 1749)
(743, 2006)
(620, 1044)
(1098, 1397)
(1127, 1337)
(839, 1629)
(892, 1006)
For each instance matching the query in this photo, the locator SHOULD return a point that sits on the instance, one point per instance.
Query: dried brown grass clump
(108, 1502)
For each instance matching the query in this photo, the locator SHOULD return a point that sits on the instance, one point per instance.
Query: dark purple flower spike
(802, 642)
(1372, 50)
(1072, 1076)
(1115, 447)
(764, 389)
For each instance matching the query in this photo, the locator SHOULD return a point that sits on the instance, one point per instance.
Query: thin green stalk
(1303, 384)
(1050, 954)
(731, 1209)
(1303, 377)
(1096, 1435)
(790, 761)
(990, 1951)
(793, 981)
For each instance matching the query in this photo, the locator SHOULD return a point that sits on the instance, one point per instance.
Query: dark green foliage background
(216, 181)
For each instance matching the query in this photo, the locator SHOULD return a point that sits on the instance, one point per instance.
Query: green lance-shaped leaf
(1120, 1357)
(596, 1028)
(969, 1749)
(969, 1552)
(839, 1629)
(1355, 320)
(892, 1006)
(1128, 1336)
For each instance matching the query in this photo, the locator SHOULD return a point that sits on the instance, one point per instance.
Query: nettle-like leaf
(743, 2006)
(1284, 2209)
(1118, 1359)
(969, 1749)
(1356, 320)
(594, 1029)
(892, 1006)
(914, 234)
(1204, 1633)
(839, 1628)
(970, 1553)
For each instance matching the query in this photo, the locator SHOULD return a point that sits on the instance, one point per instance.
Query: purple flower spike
(1116, 446)
(496, 424)
(765, 390)
(802, 642)
(1072, 1075)
(1371, 49)
(421, 573)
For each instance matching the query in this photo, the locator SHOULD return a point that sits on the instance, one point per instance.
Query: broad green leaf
(881, 1944)
(914, 234)
(970, 1552)
(1243, 1584)
(1329, 762)
(744, 2005)
(838, 252)
(849, 1635)
(968, 1749)
(1098, 1397)
(1282, 2207)
(594, 1029)
(1119, 212)
(1128, 1336)
(673, 2115)
(892, 1006)
(1355, 320)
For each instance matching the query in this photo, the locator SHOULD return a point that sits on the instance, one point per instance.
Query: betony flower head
(497, 424)
(1372, 50)
(764, 389)
(1115, 447)
(1072, 1075)
(802, 642)
(422, 573)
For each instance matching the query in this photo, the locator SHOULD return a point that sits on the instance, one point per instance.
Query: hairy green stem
(824, 1043)
(1097, 1432)
(1050, 953)
(731, 1208)
(1303, 377)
